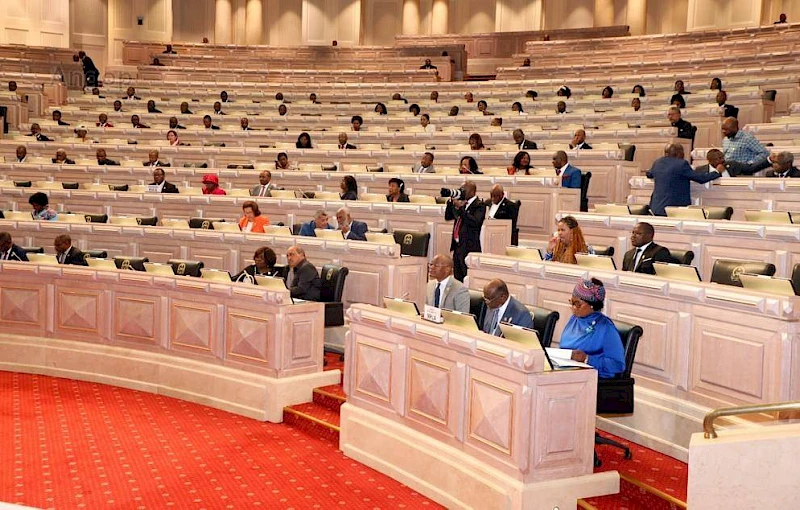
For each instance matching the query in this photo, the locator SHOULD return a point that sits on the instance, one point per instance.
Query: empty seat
(95, 254)
(33, 249)
(333, 278)
(585, 178)
(202, 223)
(147, 221)
(412, 243)
(95, 218)
(544, 322)
(130, 263)
(607, 251)
(477, 306)
(183, 267)
(684, 257)
(726, 271)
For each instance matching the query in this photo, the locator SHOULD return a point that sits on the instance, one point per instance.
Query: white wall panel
(568, 14)
(284, 22)
(192, 20)
(518, 15)
(328, 20)
(89, 29)
(383, 19)
(711, 14)
(122, 24)
(35, 22)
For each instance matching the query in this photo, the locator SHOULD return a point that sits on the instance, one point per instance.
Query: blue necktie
(436, 294)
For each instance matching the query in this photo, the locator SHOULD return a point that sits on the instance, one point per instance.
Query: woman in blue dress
(591, 335)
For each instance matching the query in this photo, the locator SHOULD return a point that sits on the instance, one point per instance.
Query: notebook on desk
(159, 269)
(43, 258)
(460, 320)
(402, 306)
(779, 286)
(678, 272)
(101, 263)
(271, 282)
(595, 261)
(215, 275)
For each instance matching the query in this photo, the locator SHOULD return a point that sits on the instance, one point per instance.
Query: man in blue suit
(320, 221)
(672, 176)
(570, 175)
(351, 229)
(501, 307)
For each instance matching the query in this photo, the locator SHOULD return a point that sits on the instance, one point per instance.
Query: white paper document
(562, 358)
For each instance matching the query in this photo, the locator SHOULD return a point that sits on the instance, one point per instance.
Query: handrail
(708, 421)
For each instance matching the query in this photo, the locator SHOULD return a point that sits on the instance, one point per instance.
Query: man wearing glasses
(501, 307)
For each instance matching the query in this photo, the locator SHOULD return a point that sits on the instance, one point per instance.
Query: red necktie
(457, 227)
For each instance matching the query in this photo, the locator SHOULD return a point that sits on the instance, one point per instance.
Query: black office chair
(412, 243)
(95, 254)
(477, 306)
(684, 257)
(333, 278)
(615, 395)
(606, 251)
(130, 263)
(203, 223)
(544, 322)
(196, 164)
(32, 249)
(769, 95)
(726, 272)
(23, 184)
(718, 212)
(639, 209)
(515, 225)
(281, 270)
(585, 178)
(118, 187)
(183, 267)
(296, 228)
(629, 151)
(795, 278)
(95, 218)
(70, 185)
(147, 221)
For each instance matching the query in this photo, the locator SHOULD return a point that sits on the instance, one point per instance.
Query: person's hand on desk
(579, 356)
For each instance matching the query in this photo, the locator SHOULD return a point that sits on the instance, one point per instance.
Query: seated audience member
(96, 92)
(185, 109)
(66, 253)
(351, 229)
(483, 107)
(304, 141)
(205, 40)
(590, 334)
(522, 143)
(244, 123)
(117, 105)
(640, 258)
(136, 123)
(434, 96)
(313, 98)
(265, 186)
(414, 109)
(282, 163)
(684, 128)
(501, 307)
(782, 165)
(727, 109)
(380, 109)
(397, 190)
(636, 104)
(677, 100)
(516, 106)
(320, 221)
(80, 133)
(496, 122)
(716, 84)
(62, 159)
(264, 265)
(561, 107)
(9, 250)
(443, 290)
(579, 140)
(638, 90)
(207, 122)
(36, 133)
(501, 208)
(173, 123)
(279, 97)
(223, 97)
(531, 94)
(282, 110)
(671, 176)
(607, 92)
(425, 122)
(22, 154)
(218, 108)
(153, 161)
(12, 86)
(468, 165)
(355, 123)
(169, 50)
(781, 19)
(343, 142)
(103, 160)
(41, 208)
(57, 118)
(173, 138)
(476, 142)
(739, 145)
(211, 185)
(425, 165)
(303, 279)
(349, 188)
(397, 97)
(102, 121)
(521, 164)
(468, 97)
(428, 65)
(151, 107)
(526, 62)
(567, 242)
(130, 95)
(253, 220)
(716, 160)
(453, 112)
(570, 175)
(679, 88)
(564, 91)
(162, 186)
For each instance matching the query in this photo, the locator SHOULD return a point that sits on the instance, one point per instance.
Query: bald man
(501, 208)
(579, 140)
(716, 160)
(467, 214)
(672, 176)
(740, 146)
(443, 290)
(501, 307)
(522, 143)
(153, 161)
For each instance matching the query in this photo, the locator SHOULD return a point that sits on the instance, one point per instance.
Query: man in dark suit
(428, 65)
(90, 71)
(130, 95)
(730, 110)
(640, 259)
(672, 176)
(103, 160)
(153, 160)
(9, 250)
(62, 159)
(716, 161)
(522, 143)
(163, 186)
(66, 253)
(685, 128)
(501, 307)
(579, 141)
(351, 229)
(303, 279)
(782, 165)
(36, 133)
(57, 118)
(136, 123)
(468, 213)
(244, 122)
(207, 122)
(343, 142)
(173, 123)
(501, 208)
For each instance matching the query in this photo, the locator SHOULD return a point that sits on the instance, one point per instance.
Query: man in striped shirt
(740, 146)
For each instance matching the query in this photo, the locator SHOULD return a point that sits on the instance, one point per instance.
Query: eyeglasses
(576, 303)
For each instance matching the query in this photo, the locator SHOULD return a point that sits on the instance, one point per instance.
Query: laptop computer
(522, 253)
(333, 235)
(215, 275)
(43, 258)
(402, 306)
(271, 282)
(768, 216)
(612, 209)
(101, 263)
(159, 269)
(460, 320)
(595, 261)
(686, 213)
(17, 216)
(779, 286)
(678, 272)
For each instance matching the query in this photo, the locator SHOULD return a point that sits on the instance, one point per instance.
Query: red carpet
(71, 444)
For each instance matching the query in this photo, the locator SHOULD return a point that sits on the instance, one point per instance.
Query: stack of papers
(563, 358)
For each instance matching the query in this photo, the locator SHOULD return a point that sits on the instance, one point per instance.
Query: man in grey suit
(443, 290)
(264, 189)
(501, 307)
(425, 165)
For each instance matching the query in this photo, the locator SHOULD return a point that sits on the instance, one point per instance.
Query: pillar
(222, 22)
(440, 13)
(254, 22)
(603, 13)
(410, 17)
(637, 16)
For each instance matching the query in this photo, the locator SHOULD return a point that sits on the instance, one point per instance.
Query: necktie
(263, 191)
(61, 258)
(5, 256)
(436, 298)
(558, 172)
(490, 324)
(457, 227)
(638, 257)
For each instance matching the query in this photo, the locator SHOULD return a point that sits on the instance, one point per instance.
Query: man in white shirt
(264, 189)
(153, 161)
(443, 290)
(9, 250)
(501, 208)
